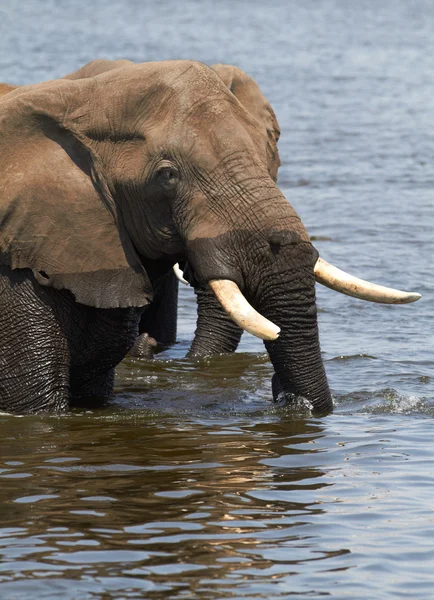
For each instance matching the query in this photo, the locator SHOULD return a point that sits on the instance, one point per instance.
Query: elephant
(107, 182)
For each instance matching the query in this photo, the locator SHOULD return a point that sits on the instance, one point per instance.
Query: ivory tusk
(179, 274)
(241, 312)
(342, 282)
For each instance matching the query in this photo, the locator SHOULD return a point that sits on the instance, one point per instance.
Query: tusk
(338, 280)
(241, 312)
(179, 274)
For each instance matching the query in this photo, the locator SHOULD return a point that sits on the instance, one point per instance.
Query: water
(192, 484)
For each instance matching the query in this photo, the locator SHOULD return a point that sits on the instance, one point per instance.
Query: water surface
(192, 484)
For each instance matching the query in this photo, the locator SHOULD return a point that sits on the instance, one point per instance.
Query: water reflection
(129, 499)
(209, 501)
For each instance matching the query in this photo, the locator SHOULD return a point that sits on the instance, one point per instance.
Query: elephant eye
(168, 176)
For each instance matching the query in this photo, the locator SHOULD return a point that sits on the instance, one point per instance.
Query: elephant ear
(250, 96)
(54, 219)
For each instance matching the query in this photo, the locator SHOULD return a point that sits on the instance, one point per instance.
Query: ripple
(354, 357)
(33, 499)
(384, 401)
(100, 556)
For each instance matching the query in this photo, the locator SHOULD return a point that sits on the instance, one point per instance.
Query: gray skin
(106, 183)
(215, 332)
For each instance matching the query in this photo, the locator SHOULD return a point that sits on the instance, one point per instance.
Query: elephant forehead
(184, 80)
(218, 134)
(176, 102)
(137, 98)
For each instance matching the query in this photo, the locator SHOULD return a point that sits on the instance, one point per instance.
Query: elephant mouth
(245, 316)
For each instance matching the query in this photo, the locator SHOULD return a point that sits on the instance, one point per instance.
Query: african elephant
(106, 183)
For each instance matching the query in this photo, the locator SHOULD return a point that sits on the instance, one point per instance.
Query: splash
(384, 401)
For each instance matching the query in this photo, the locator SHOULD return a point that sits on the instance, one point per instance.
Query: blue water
(192, 484)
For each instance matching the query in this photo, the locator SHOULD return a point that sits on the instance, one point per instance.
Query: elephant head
(109, 180)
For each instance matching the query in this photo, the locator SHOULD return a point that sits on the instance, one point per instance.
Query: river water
(192, 484)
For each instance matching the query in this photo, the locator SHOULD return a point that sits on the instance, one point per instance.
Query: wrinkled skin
(153, 164)
(215, 332)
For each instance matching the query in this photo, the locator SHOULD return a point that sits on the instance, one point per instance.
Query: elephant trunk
(299, 370)
(287, 322)
(296, 354)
